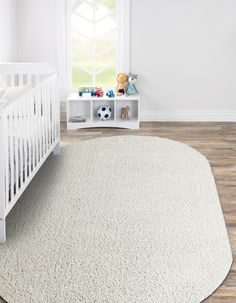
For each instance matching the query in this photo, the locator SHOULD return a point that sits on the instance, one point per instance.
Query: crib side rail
(40, 85)
(32, 128)
(15, 74)
(3, 134)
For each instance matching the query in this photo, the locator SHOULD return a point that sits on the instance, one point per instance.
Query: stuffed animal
(131, 90)
(122, 84)
(125, 113)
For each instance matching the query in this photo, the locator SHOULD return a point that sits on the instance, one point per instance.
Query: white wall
(185, 52)
(7, 30)
(37, 34)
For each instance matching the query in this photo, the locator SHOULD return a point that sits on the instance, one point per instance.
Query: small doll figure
(131, 90)
(122, 84)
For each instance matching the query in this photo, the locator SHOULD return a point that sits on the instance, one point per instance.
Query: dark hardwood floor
(217, 141)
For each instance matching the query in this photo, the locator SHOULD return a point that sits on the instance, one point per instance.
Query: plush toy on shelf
(122, 84)
(125, 113)
(131, 90)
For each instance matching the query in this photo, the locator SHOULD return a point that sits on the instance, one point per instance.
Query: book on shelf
(77, 119)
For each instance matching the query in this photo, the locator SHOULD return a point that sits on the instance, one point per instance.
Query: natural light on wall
(94, 42)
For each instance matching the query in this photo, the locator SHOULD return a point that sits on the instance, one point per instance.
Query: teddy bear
(122, 84)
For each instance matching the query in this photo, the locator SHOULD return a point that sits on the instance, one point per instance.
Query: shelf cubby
(96, 104)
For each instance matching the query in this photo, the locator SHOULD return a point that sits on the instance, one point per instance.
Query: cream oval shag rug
(117, 220)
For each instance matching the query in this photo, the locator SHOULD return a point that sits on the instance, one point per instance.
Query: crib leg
(2, 231)
(56, 150)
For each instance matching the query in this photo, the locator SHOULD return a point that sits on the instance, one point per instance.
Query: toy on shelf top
(92, 90)
(110, 94)
(86, 90)
(99, 92)
(125, 86)
(122, 84)
(131, 89)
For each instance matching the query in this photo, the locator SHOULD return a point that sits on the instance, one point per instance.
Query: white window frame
(64, 44)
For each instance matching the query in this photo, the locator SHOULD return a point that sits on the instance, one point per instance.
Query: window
(97, 41)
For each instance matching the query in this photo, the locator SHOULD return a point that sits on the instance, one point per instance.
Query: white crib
(29, 129)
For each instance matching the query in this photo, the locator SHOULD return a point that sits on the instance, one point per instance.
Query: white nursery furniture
(88, 106)
(29, 128)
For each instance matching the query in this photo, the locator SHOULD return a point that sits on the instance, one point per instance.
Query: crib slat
(4, 80)
(37, 127)
(49, 114)
(12, 80)
(21, 142)
(33, 80)
(40, 123)
(26, 79)
(37, 79)
(45, 121)
(29, 135)
(55, 113)
(52, 116)
(32, 122)
(1, 81)
(25, 141)
(11, 151)
(7, 181)
(21, 79)
(52, 113)
(16, 148)
(46, 116)
(52, 110)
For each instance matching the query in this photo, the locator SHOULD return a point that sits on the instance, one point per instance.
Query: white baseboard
(188, 115)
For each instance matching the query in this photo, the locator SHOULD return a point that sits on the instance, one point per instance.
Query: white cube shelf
(87, 107)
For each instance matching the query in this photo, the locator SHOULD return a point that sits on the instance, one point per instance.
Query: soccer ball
(104, 113)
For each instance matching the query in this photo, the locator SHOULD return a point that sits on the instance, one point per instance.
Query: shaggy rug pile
(117, 220)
